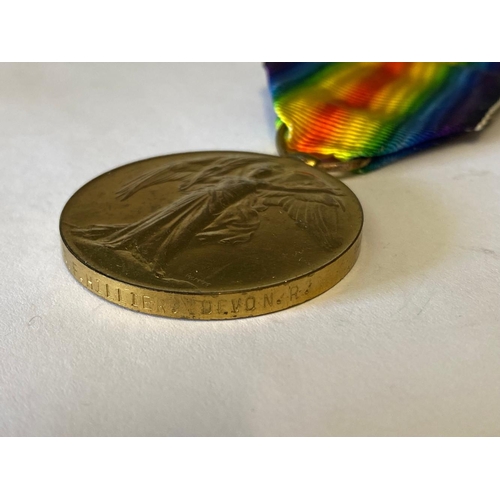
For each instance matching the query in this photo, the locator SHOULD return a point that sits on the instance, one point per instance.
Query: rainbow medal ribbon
(362, 116)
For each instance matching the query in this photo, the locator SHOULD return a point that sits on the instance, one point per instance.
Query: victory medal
(211, 235)
(221, 235)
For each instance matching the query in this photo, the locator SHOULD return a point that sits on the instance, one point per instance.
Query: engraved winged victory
(221, 199)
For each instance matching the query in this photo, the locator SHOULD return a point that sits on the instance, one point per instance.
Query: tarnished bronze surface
(211, 235)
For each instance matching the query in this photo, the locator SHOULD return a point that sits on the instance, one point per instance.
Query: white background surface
(407, 344)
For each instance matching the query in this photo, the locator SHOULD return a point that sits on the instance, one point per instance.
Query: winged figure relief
(221, 200)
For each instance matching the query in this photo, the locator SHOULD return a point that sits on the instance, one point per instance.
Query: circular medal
(211, 235)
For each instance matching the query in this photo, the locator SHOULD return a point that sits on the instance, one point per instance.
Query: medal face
(211, 235)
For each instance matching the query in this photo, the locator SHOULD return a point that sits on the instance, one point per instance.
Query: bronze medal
(211, 235)
(219, 235)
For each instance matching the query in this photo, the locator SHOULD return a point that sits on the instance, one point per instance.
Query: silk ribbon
(381, 111)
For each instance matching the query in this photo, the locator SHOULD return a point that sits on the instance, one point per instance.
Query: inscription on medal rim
(243, 304)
